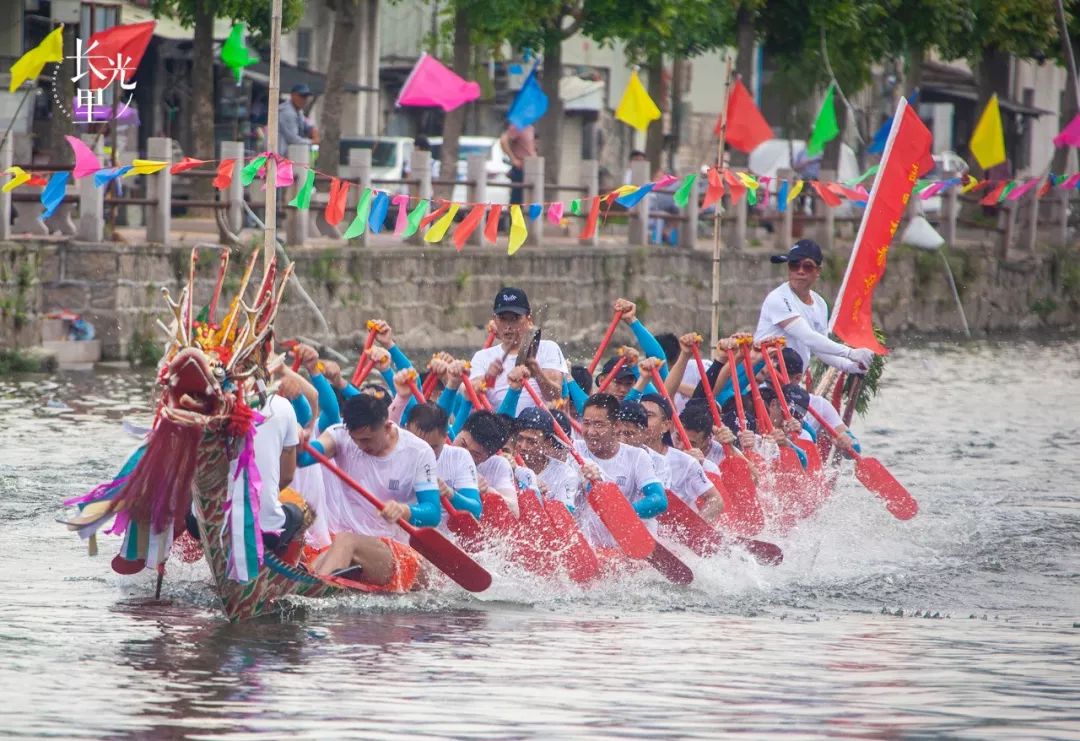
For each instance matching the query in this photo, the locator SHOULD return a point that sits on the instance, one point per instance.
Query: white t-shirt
(309, 482)
(822, 406)
(716, 452)
(499, 475)
(562, 481)
(455, 467)
(691, 377)
(631, 469)
(276, 432)
(782, 304)
(397, 476)
(660, 466)
(710, 467)
(687, 477)
(548, 357)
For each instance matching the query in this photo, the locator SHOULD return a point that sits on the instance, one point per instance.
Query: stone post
(159, 186)
(5, 198)
(420, 167)
(296, 219)
(827, 236)
(91, 224)
(1061, 228)
(590, 180)
(742, 212)
(783, 234)
(360, 162)
(639, 218)
(234, 194)
(688, 233)
(1032, 233)
(534, 193)
(950, 209)
(476, 174)
(1007, 224)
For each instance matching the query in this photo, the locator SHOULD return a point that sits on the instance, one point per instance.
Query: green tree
(344, 50)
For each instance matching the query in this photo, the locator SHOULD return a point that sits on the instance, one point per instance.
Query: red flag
(335, 204)
(468, 225)
(188, 163)
(994, 195)
(736, 187)
(117, 54)
(831, 199)
(746, 127)
(715, 191)
(491, 230)
(434, 215)
(224, 174)
(909, 142)
(590, 222)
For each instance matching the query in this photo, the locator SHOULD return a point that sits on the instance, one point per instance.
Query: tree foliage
(255, 13)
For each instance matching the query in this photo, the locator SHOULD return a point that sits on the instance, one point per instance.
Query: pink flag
(402, 203)
(284, 173)
(1018, 192)
(431, 84)
(555, 212)
(1070, 135)
(86, 162)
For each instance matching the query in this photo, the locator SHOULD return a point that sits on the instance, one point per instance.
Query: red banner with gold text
(906, 154)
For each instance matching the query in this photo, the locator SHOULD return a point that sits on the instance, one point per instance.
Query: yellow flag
(988, 140)
(795, 191)
(518, 232)
(438, 229)
(145, 167)
(30, 64)
(20, 177)
(624, 189)
(636, 107)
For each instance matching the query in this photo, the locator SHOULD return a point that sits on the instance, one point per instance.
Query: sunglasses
(806, 266)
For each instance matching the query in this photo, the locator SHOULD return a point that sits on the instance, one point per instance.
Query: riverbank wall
(438, 298)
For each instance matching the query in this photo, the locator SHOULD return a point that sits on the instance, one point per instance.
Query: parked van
(389, 155)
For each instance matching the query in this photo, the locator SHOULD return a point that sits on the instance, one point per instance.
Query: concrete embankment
(436, 297)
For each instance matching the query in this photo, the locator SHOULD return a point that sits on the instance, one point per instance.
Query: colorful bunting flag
(530, 104)
(825, 126)
(283, 173)
(235, 53)
(439, 228)
(988, 140)
(19, 176)
(302, 199)
(431, 84)
(402, 221)
(104, 177)
(1070, 135)
(145, 167)
(359, 222)
(335, 204)
(746, 127)
(491, 227)
(535, 210)
(122, 48)
(518, 232)
(636, 108)
(224, 174)
(795, 190)
(682, 195)
(715, 191)
(1018, 192)
(993, 196)
(736, 187)
(468, 225)
(53, 195)
(188, 163)
(591, 219)
(30, 64)
(86, 162)
(412, 226)
(555, 213)
(830, 198)
(877, 146)
(633, 198)
(251, 170)
(379, 209)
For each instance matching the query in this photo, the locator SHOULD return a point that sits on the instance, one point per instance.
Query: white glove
(862, 356)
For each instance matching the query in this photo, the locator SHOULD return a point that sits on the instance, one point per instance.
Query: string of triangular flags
(435, 217)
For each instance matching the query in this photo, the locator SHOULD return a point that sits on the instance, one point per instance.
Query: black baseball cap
(801, 250)
(792, 361)
(626, 373)
(532, 418)
(301, 89)
(513, 300)
(797, 398)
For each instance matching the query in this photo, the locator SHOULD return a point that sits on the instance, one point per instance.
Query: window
(303, 48)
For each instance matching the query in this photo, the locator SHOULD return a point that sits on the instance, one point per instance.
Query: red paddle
(430, 382)
(428, 542)
(421, 398)
(875, 477)
(365, 364)
(607, 500)
(611, 375)
(580, 561)
(704, 540)
(739, 409)
(490, 339)
(789, 459)
(604, 342)
(813, 455)
(462, 524)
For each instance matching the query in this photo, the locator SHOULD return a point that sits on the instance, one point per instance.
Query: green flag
(682, 195)
(235, 53)
(575, 207)
(251, 169)
(825, 127)
(415, 217)
(302, 199)
(363, 209)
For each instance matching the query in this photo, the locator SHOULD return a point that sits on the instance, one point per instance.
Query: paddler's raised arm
(650, 346)
(324, 444)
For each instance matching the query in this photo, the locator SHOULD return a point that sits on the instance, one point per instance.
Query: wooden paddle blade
(668, 564)
(449, 559)
(578, 558)
(875, 477)
(764, 551)
(123, 566)
(619, 517)
(742, 513)
(689, 528)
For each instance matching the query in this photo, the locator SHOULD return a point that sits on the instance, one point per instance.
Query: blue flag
(530, 104)
(53, 194)
(881, 137)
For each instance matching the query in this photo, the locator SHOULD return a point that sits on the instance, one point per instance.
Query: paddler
(398, 468)
(534, 437)
(800, 315)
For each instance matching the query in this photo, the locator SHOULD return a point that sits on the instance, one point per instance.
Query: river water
(962, 623)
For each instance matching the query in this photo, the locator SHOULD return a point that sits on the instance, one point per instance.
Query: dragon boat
(198, 456)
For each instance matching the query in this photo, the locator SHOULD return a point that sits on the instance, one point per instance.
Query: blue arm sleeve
(388, 376)
(467, 500)
(405, 412)
(802, 456)
(649, 345)
(329, 409)
(854, 441)
(447, 400)
(350, 391)
(510, 403)
(399, 359)
(577, 395)
(633, 395)
(463, 411)
(426, 512)
(809, 431)
(304, 458)
(302, 407)
(726, 393)
(653, 503)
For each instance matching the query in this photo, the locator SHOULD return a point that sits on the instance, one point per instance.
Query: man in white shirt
(399, 469)
(276, 438)
(513, 328)
(534, 430)
(801, 316)
(454, 466)
(483, 435)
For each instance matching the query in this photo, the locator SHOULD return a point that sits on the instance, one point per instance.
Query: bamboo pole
(714, 331)
(270, 232)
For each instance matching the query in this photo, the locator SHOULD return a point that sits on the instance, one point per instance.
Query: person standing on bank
(294, 126)
(518, 144)
(800, 315)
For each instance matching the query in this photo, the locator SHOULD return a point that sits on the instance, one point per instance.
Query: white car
(497, 165)
(389, 155)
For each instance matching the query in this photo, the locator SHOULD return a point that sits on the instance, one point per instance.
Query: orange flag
(746, 127)
(224, 174)
(335, 205)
